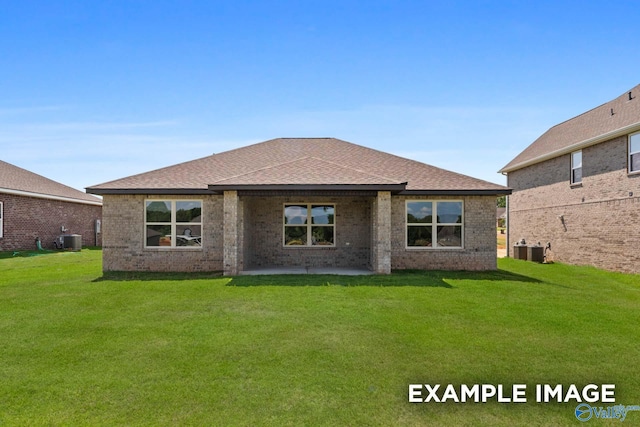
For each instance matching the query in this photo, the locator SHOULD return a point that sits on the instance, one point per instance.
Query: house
(309, 202)
(501, 217)
(578, 187)
(34, 207)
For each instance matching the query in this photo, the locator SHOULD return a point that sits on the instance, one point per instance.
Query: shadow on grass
(24, 254)
(34, 253)
(124, 276)
(416, 278)
(402, 278)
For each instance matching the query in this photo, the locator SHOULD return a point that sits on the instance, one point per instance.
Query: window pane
(576, 159)
(322, 235)
(158, 211)
(419, 235)
(189, 235)
(635, 162)
(158, 235)
(450, 235)
(634, 144)
(419, 212)
(188, 211)
(576, 175)
(322, 214)
(295, 214)
(295, 235)
(450, 212)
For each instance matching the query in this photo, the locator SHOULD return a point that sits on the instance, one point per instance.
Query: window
(634, 153)
(309, 225)
(173, 223)
(576, 167)
(434, 224)
(1, 219)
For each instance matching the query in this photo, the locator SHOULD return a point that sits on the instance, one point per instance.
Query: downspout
(507, 223)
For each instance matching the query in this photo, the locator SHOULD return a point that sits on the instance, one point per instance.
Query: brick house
(310, 202)
(32, 207)
(578, 187)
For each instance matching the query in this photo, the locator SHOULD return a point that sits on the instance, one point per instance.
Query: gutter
(394, 188)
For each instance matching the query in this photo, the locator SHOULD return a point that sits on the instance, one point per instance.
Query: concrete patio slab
(307, 270)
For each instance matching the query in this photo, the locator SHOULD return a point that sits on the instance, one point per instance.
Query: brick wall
(479, 252)
(259, 222)
(123, 233)
(27, 218)
(594, 223)
(264, 233)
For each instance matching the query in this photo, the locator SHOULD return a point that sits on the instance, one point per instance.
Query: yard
(79, 348)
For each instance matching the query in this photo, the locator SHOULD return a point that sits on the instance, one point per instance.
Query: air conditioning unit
(72, 242)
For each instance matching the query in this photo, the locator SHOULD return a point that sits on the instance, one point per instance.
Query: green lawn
(78, 348)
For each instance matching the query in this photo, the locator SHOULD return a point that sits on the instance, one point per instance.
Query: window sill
(320, 247)
(634, 173)
(169, 248)
(431, 248)
(576, 185)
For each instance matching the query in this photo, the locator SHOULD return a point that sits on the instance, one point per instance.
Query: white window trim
(173, 224)
(433, 225)
(309, 225)
(574, 168)
(1, 219)
(629, 153)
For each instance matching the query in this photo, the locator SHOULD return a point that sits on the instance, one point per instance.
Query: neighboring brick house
(299, 202)
(578, 188)
(34, 207)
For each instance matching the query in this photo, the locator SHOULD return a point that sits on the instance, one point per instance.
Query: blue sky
(95, 91)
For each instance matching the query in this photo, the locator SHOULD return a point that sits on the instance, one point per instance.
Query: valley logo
(584, 412)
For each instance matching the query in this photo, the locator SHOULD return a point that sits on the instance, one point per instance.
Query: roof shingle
(16, 179)
(591, 127)
(298, 161)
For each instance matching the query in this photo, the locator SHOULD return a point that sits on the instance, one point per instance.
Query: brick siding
(264, 229)
(479, 252)
(594, 223)
(259, 222)
(28, 218)
(123, 233)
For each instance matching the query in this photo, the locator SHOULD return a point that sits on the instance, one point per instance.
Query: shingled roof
(15, 180)
(300, 163)
(610, 120)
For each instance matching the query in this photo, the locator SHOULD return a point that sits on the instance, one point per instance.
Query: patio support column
(381, 219)
(231, 234)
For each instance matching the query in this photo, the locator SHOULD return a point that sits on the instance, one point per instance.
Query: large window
(634, 153)
(435, 224)
(173, 223)
(576, 167)
(309, 225)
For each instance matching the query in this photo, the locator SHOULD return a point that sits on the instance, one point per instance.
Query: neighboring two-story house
(578, 187)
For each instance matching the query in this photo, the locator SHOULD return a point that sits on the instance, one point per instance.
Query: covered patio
(260, 232)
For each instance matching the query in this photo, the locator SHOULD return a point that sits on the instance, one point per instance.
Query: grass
(80, 348)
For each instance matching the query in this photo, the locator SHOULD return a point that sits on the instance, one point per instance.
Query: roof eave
(394, 188)
(96, 202)
(458, 192)
(574, 147)
(160, 191)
